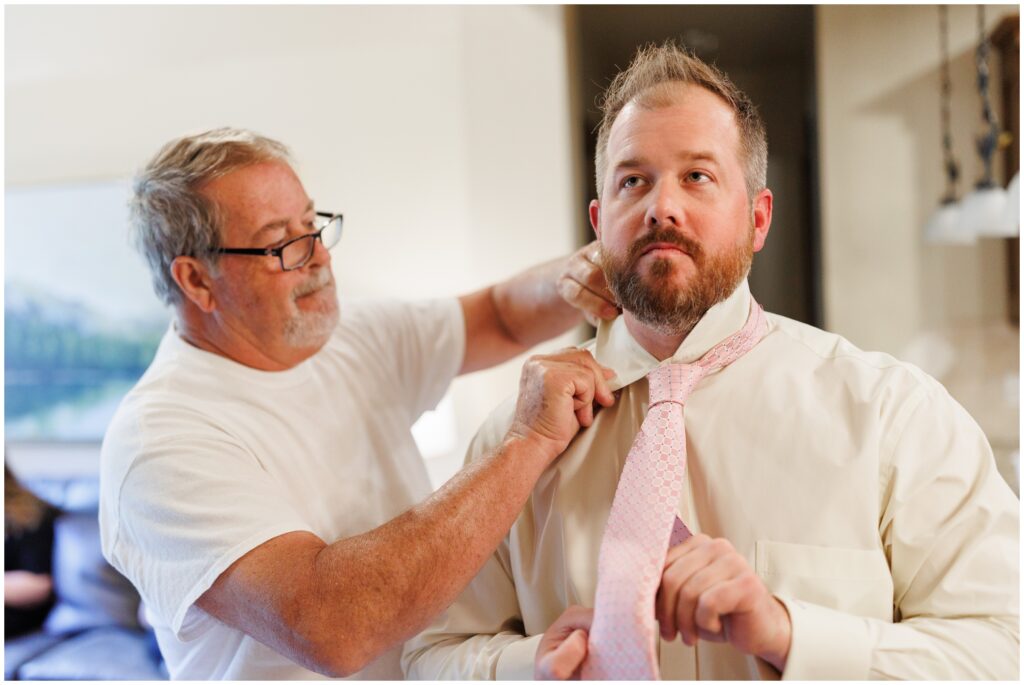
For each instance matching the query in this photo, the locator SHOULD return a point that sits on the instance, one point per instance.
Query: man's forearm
(25, 588)
(335, 607)
(508, 318)
(530, 306)
(384, 586)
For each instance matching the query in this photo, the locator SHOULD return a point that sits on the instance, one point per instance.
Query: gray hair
(644, 81)
(170, 217)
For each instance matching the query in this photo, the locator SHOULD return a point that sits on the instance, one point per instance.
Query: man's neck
(196, 331)
(660, 345)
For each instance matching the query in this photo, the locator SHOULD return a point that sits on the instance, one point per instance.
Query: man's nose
(321, 255)
(666, 205)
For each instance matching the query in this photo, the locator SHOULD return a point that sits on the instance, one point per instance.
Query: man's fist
(709, 592)
(556, 398)
(564, 646)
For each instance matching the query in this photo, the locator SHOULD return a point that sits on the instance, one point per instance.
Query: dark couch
(93, 631)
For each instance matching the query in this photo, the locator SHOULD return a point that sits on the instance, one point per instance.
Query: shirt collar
(616, 349)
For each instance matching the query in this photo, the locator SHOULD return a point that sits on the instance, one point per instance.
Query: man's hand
(582, 285)
(709, 592)
(556, 398)
(564, 646)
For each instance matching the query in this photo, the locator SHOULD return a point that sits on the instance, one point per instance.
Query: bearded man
(824, 513)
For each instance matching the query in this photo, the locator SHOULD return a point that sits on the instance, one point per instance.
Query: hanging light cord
(952, 168)
(987, 141)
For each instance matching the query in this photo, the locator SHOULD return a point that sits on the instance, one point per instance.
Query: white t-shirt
(207, 459)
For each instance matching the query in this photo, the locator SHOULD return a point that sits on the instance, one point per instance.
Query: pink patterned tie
(642, 524)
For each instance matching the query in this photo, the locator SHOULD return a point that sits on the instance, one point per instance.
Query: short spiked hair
(666, 64)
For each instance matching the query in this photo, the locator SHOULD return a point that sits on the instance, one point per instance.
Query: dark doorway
(768, 51)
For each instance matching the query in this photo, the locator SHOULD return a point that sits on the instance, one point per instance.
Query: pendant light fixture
(983, 210)
(945, 225)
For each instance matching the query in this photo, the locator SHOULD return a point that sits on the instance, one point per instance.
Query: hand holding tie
(708, 591)
(564, 646)
(557, 393)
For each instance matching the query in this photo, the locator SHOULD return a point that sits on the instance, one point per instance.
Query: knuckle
(707, 600)
(670, 577)
(750, 582)
(535, 361)
(721, 546)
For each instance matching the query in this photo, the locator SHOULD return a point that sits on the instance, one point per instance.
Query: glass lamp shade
(945, 226)
(982, 211)
(1011, 210)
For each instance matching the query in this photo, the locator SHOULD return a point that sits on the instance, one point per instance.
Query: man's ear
(595, 217)
(762, 211)
(193, 277)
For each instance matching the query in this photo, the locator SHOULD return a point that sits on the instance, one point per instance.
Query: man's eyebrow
(686, 155)
(626, 163)
(279, 223)
(700, 155)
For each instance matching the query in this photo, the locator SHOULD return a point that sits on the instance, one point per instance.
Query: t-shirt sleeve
(187, 506)
(418, 347)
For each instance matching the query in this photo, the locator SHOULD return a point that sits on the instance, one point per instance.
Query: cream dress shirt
(862, 494)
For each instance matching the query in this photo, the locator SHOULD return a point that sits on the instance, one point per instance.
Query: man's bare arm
(510, 317)
(333, 608)
(25, 588)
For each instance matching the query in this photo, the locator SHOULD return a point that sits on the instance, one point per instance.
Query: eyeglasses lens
(294, 255)
(332, 232)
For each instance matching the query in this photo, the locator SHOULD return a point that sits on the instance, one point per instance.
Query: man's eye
(631, 181)
(698, 177)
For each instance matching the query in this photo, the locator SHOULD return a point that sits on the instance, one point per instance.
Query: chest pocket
(855, 581)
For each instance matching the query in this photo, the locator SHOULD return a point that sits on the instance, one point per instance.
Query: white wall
(442, 133)
(942, 307)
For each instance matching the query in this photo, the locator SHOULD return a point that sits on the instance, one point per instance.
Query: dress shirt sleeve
(949, 525)
(481, 635)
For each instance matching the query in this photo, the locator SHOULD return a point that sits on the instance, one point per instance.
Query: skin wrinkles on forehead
(720, 124)
(277, 225)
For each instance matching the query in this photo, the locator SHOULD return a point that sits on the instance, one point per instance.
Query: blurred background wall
(458, 142)
(944, 308)
(442, 133)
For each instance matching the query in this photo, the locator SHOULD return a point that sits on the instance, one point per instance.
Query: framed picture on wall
(81, 321)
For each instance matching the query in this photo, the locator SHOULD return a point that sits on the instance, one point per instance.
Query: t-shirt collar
(173, 345)
(615, 348)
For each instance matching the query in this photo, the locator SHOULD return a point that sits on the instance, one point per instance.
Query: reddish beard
(655, 300)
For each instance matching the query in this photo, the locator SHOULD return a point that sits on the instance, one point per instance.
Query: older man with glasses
(260, 484)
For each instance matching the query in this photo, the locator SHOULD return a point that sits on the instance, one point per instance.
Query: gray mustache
(321, 279)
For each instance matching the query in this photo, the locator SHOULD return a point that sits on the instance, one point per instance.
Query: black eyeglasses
(295, 253)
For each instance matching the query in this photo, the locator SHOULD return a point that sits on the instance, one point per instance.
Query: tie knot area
(673, 382)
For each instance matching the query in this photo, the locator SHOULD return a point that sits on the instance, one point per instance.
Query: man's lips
(663, 246)
(316, 290)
